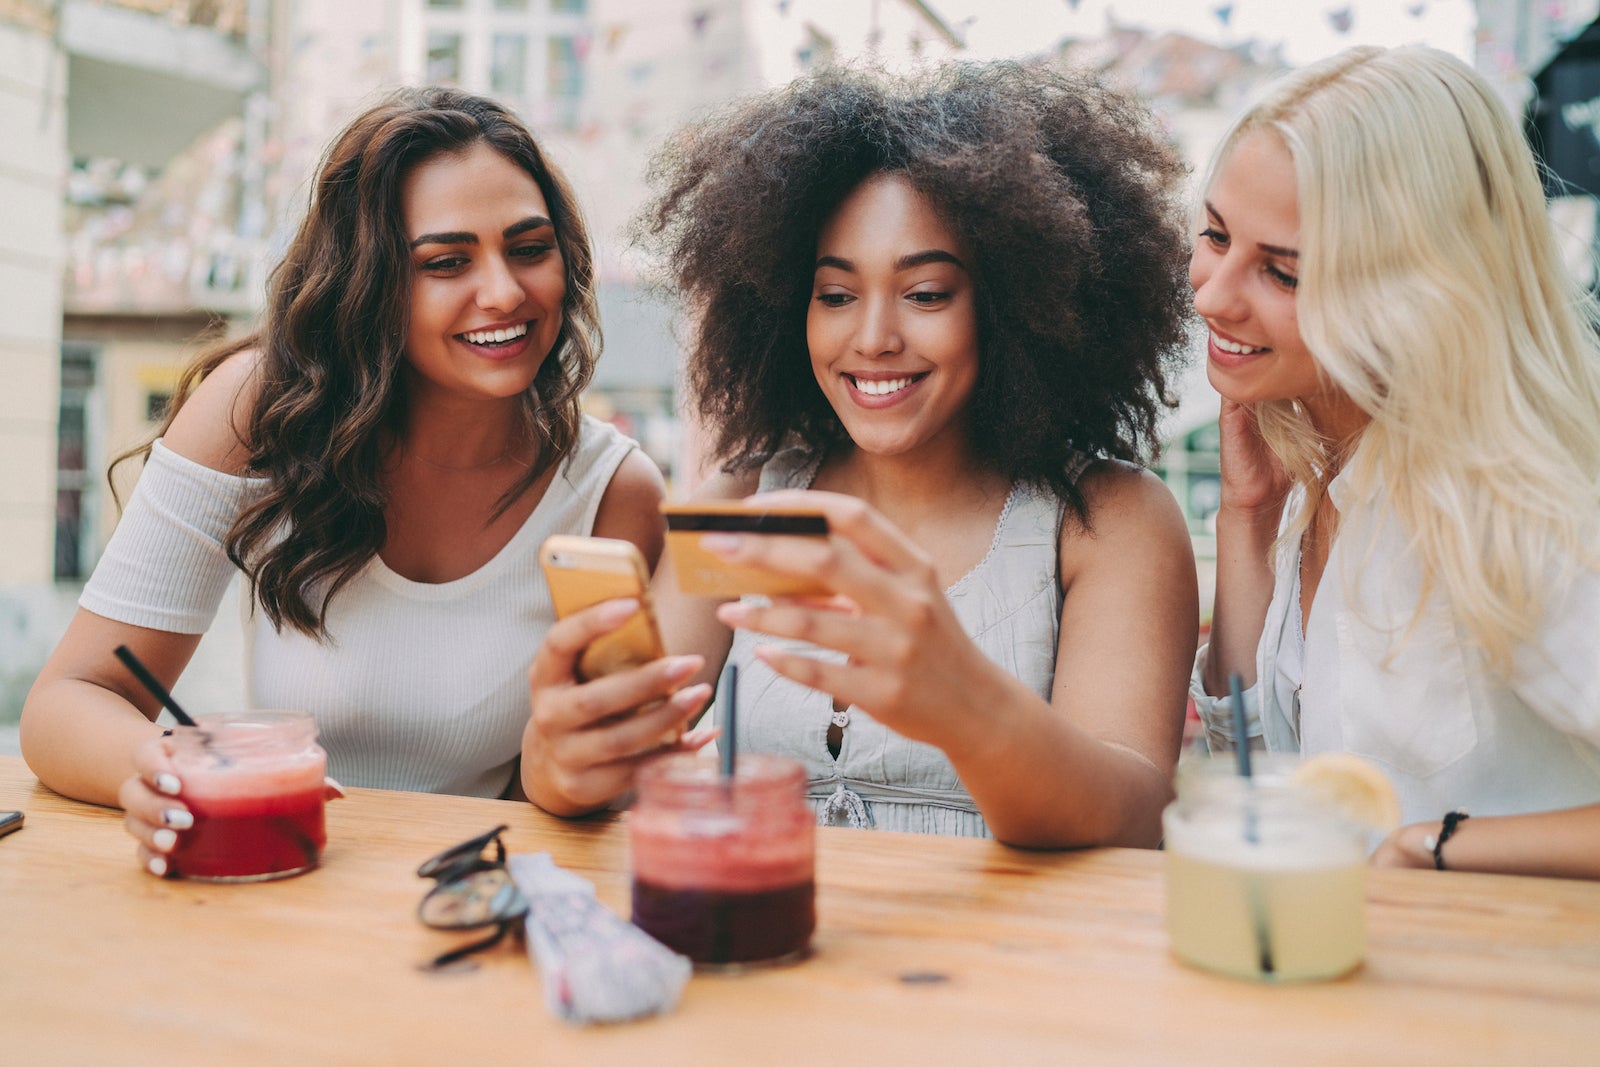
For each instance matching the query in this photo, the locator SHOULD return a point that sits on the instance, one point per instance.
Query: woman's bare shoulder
(629, 508)
(212, 427)
(1131, 510)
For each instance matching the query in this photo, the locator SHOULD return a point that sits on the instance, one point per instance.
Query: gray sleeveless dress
(1010, 604)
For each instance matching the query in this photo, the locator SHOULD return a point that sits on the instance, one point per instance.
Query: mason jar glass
(254, 782)
(1264, 880)
(724, 872)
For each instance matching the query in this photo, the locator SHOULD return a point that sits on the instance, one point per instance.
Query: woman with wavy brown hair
(381, 460)
(941, 311)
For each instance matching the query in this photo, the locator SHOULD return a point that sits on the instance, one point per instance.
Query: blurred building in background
(101, 104)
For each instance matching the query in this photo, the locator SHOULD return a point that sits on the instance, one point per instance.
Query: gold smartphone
(583, 571)
(702, 574)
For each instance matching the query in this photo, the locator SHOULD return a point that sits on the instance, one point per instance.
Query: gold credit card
(702, 574)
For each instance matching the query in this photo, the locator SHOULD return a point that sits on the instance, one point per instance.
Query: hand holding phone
(582, 572)
(702, 574)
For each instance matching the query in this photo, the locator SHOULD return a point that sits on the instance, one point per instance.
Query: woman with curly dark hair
(381, 459)
(940, 311)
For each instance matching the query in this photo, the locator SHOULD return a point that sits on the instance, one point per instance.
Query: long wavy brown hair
(1064, 190)
(331, 403)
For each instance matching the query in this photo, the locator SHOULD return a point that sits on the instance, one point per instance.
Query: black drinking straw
(729, 701)
(157, 690)
(1252, 834)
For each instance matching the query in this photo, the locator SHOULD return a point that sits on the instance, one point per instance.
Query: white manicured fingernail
(157, 865)
(163, 840)
(681, 667)
(177, 818)
(692, 697)
(169, 784)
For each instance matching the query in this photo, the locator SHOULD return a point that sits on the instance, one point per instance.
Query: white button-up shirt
(1422, 704)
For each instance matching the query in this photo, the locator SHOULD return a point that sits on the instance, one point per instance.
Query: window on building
(564, 80)
(444, 58)
(528, 53)
(508, 65)
(75, 503)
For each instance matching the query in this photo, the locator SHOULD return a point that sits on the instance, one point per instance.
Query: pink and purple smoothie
(724, 876)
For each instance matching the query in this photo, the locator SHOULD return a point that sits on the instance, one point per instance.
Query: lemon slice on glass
(1356, 787)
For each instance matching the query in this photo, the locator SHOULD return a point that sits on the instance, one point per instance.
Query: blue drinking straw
(728, 699)
(1252, 833)
(1241, 754)
(1241, 734)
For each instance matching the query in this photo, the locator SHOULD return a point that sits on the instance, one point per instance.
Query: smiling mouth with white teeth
(1233, 347)
(883, 386)
(495, 337)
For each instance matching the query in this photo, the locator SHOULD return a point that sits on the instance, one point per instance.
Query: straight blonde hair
(1432, 293)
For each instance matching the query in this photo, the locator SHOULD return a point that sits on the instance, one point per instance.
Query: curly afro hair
(1061, 188)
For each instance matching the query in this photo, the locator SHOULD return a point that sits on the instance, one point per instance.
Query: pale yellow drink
(1263, 882)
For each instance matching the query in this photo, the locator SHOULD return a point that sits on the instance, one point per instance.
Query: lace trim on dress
(848, 803)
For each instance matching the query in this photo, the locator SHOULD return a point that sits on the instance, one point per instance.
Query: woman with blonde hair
(1406, 564)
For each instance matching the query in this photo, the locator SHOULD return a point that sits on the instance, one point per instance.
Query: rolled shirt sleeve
(1216, 713)
(166, 567)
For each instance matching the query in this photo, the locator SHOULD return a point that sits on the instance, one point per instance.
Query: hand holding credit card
(702, 574)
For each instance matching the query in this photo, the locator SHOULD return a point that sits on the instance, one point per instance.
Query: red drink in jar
(253, 781)
(724, 872)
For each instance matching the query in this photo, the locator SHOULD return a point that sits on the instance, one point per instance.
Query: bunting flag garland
(1416, 11)
(1073, 4)
(1341, 20)
(700, 19)
(614, 35)
(1224, 13)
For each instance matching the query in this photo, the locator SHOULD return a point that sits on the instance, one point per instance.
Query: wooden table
(1045, 957)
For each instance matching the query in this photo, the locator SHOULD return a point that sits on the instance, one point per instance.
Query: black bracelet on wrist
(1435, 842)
